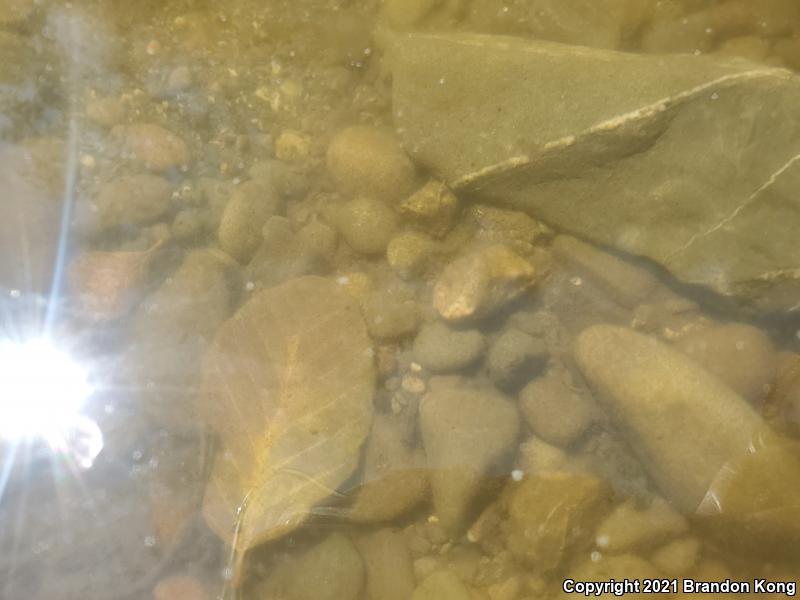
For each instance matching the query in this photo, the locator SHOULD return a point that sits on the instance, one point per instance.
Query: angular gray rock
(691, 161)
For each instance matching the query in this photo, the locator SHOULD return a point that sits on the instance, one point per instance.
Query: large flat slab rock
(691, 161)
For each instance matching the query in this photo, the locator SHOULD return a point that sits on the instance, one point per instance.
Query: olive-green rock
(691, 161)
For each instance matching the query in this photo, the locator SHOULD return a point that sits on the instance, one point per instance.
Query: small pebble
(444, 350)
(481, 282)
(132, 200)
(389, 315)
(158, 148)
(410, 253)
(366, 225)
(365, 160)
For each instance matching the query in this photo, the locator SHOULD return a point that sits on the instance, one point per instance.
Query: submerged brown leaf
(288, 387)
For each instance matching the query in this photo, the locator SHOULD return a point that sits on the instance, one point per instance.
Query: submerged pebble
(677, 557)
(552, 515)
(444, 350)
(390, 314)
(515, 357)
(409, 254)
(366, 160)
(247, 210)
(683, 423)
(740, 355)
(366, 225)
(442, 585)
(394, 479)
(481, 282)
(131, 200)
(434, 207)
(330, 570)
(156, 147)
(465, 431)
(387, 560)
(555, 408)
(632, 529)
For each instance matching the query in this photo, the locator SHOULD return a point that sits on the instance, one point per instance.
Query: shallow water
(397, 300)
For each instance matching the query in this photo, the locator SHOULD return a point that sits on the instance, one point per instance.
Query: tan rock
(442, 585)
(331, 570)
(394, 479)
(741, 355)
(367, 225)
(677, 558)
(630, 529)
(537, 456)
(683, 423)
(409, 253)
(627, 283)
(465, 431)
(552, 515)
(515, 357)
(481, 282)
(106, 111)
(292, 146)
(555, 409)
(434, 207)
(511, 227)
(387, 560)
(443, 350)
(158, 148)
(132, 200)
(366, 160)
(390, 314)
(247, 210)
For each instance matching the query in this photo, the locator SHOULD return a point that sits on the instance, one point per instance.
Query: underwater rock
(739, 354)
(433, 207)
(702, 444)
(444, 350)
(552, 514)
(479, 283)
(614, 147)
(394, 479)
(555, 408)
(387, 560)
(631, 529)
(365, 160)
(442, 585)
(684, 424)
(331, 570)
(465, 431)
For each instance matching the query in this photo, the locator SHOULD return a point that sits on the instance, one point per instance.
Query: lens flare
(42, 391)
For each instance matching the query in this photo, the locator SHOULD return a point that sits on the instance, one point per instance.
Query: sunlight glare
(42, 390)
